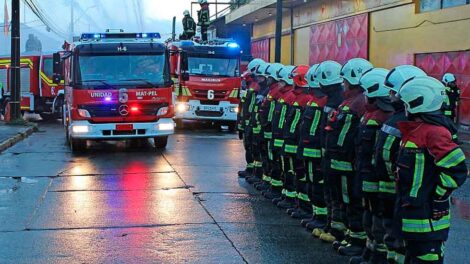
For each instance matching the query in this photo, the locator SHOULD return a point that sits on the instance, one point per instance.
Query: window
(48, 68)
(432, 5)
(25, 79)
(221, 67)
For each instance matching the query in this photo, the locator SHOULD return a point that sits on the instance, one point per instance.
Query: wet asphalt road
(120, 203)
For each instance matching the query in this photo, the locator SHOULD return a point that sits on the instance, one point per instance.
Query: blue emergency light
(97, 36)
(233, 45)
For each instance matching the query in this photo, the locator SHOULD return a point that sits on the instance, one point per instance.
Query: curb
(17, 138)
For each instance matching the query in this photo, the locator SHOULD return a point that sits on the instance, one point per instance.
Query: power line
(39, 12)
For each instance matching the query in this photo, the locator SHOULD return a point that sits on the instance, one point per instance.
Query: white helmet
(273, 71)
(422, 94)
(448, 78)
(354, 68)
(202, 2)
(399, 75)
(328, 73)
(310, 77)
(186, 13)
(372, 82)
(285, 74)
(254, 64)
(263, 69)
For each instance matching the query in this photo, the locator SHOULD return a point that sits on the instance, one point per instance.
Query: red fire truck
(207, 80)
(39, 94)
(117, 86)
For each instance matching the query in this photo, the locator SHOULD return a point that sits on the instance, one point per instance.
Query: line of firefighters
(364, 156)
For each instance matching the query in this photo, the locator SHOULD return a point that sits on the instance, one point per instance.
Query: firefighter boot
(252, 179)
(377, 257)
(304, 222)
(319, 221)
(366, 254)
(276, 200)
(337, 233)
(286, 203)
(245, 173)
(337, 244)
(327, 237)
(271, 193)
(355, 247)
(301, 213)
(263, 186)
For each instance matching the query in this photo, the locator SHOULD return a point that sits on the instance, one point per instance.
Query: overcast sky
(98, 15)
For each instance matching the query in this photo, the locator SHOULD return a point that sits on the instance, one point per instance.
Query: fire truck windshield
(107, 71)
(204, 66)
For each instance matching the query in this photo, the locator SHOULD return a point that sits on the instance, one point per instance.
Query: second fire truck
(207, 81)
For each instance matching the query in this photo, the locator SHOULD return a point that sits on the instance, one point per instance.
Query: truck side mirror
(57, 68)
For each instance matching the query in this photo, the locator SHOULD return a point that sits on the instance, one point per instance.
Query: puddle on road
(463, 208)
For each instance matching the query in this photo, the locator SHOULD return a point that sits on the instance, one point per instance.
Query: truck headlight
(182, 107)
(166, 126)
(162, 111)
(80, 129)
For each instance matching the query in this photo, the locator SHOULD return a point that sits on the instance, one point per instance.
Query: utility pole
(71, 20)
(15, 80)
(278, 34)
(173, 29)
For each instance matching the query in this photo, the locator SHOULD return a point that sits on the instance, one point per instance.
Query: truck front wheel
(160, 142)
(77, 145)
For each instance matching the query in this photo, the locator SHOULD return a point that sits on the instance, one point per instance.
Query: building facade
(432, 34)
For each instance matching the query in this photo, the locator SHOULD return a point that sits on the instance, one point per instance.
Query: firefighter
(340, 155)
(295, 179)
(203, 18)
(328, 77)
(263, 83)
(189, 26)
(378, 109)
(309, 151)
(386, 151)
(248, 100)
(277, 124)
(265, 114)
(430, 167)
(451, 102)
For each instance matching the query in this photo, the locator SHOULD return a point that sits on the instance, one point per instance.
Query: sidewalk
(12, 134)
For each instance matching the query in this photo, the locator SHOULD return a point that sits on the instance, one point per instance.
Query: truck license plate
(124, 127)
(210, 108)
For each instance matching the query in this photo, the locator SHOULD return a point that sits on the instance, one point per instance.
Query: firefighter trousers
(373, 222)
(257, 149)
(247, 144)
(424, 252)
(394, 245)
(302, 184)
(288, 175)
(276, 169)
(315, 186)
(266, 159)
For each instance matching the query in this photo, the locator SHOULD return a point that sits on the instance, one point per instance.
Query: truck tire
(77, 145)
(232, 126)
(160, 142)
(48, 117)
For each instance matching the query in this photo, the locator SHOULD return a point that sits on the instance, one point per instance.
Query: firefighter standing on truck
(430, 167)
(203, 18)
(248, 100)
(189, 26)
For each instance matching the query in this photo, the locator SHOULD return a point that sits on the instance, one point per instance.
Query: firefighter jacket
(370, 124)
(279, 116)
(334, 97)
(203, 16)
(310, 130)
(451, 100)
(266, 110)
(430, 167)
(386, 152)
(341, 130)
(246, 83)
(292, 121)
(250, 101)
(255, 121)
(189, 26)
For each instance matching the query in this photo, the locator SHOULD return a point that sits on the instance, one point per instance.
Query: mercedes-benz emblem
(123, 110)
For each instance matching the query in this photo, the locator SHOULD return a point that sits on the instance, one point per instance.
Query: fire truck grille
(113, 110)
(203, 94)
(209, 113)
